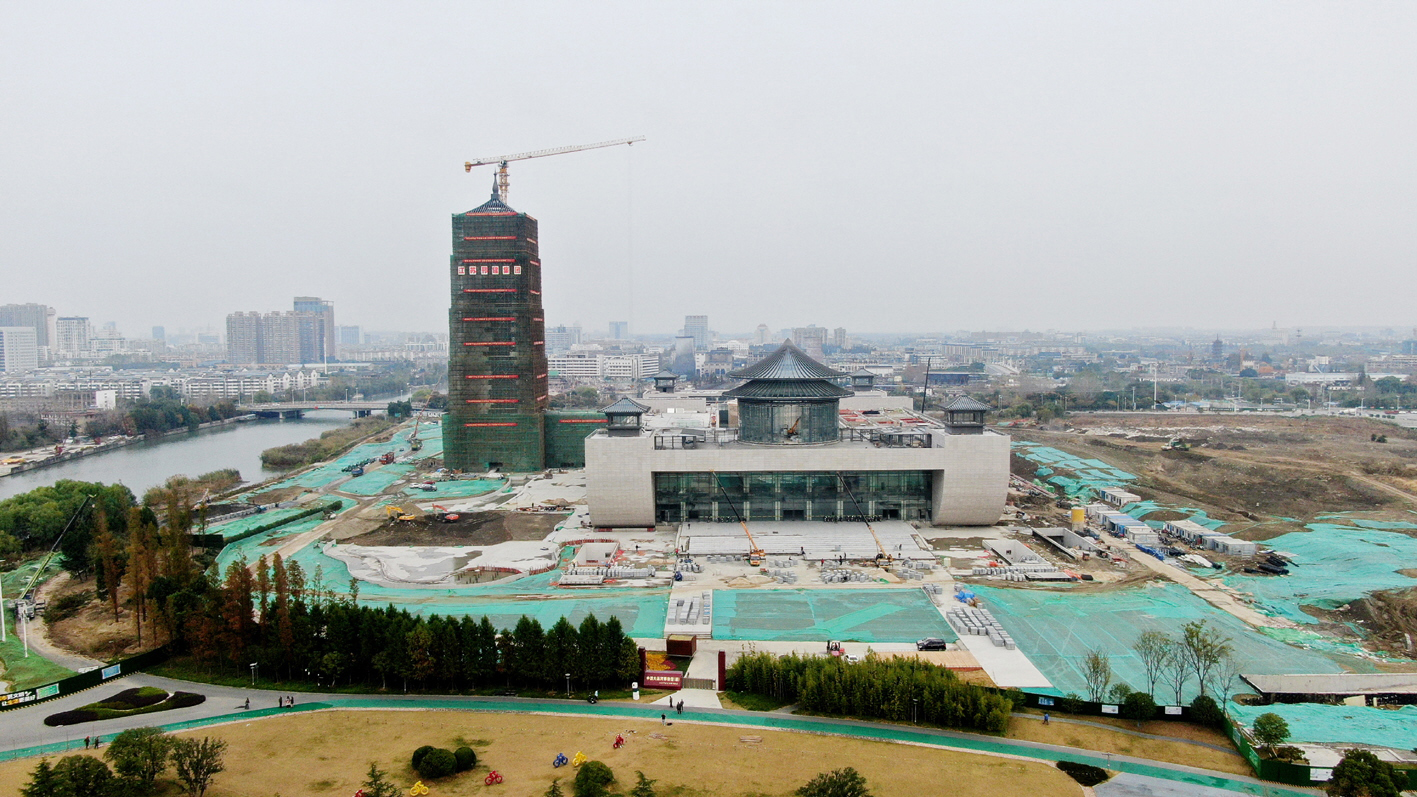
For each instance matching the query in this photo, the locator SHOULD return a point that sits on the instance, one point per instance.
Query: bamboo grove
(894, 689)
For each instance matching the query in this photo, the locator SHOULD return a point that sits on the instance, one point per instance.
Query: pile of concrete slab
(692, 610)
(979, 622)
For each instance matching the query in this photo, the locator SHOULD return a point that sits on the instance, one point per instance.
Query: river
(151, 462)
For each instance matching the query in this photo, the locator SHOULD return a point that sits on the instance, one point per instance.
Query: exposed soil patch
(92, 632)
(1390, 618)
(475, 528)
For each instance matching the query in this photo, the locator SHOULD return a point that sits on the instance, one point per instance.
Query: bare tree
(1225, 677)
(1173, 669)
(197, 762)
(1153, 648)
(1097, 670)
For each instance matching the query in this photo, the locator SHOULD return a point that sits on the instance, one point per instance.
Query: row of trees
(893, 689)
(1198, 654)
(139, 757)
(299, 633)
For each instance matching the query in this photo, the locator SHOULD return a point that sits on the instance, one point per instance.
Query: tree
(1097, 671)
(140, 754)
(554, 790)
(593, 780)
(1117, 693)
(1153, 648)
(377, 785)
(644, 787)
(84, 776)
(837, 783)
(1204, 711)
(1203, 649)
(197, 762)
(44, 781)
(1270, 729)
(1362, 774)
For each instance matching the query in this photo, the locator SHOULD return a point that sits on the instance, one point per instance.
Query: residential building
(38, 317)
(619, 330)
(319, 343)
(561, 339)
(71, 337)
(696, 327)
(18, 349)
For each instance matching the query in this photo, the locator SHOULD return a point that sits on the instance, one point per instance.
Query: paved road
(23, 732)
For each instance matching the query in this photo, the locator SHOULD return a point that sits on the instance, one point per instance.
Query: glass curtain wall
(800, 495)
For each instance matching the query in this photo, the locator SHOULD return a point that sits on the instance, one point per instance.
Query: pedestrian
(97, 740)
(663, 720)
(248, 703)
(87, 739)
(681, 707)
(292, 701)
(1045, 718)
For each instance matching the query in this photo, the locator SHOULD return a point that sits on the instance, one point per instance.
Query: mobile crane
(755, 553)
(503, 160)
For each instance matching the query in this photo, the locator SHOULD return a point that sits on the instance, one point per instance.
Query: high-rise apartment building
(325, 338)
(160, 333)
(279, 338)
(38, 317)
(839, 337)
(497, 372)
(811, 339)
(347, 336)
(18, 349)
(243, 338)
(71, 336)
(696, 327)
(619, 330)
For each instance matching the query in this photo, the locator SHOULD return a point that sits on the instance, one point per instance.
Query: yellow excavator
(399, 513)
(755, 553)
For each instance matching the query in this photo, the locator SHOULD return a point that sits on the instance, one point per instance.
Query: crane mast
(502, 160)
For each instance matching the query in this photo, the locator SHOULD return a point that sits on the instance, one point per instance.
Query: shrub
(837, 783)
(467, 758)
(437, 763)
(593, 779)
(420, 753)
(1204, 711)
(186, 700)
(66, 606)
(1084, 774)
(1139, 706)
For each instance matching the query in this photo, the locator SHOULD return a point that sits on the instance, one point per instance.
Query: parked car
(931, 643)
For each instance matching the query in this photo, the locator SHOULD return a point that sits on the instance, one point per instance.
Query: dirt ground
(1251, 469)
(329, 753)
(475, 528)
(1108, 741)
(92, 631)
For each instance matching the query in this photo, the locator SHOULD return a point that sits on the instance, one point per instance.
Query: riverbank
(113, 444)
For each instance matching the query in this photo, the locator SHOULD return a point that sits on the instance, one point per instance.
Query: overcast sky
(878, 166)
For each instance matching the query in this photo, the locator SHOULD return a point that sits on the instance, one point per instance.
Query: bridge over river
(296, 409)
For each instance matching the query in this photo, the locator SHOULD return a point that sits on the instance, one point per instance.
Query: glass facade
(793, 495)
(787, 422)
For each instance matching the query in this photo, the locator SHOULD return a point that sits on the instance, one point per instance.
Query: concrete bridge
(295, 409)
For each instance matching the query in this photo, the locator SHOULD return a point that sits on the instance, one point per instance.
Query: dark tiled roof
(787, 389)
(626, 406)
(665, 374)
(863, 372)
(788, 362)
(967, 404)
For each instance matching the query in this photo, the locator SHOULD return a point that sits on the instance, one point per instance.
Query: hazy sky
(878, 166)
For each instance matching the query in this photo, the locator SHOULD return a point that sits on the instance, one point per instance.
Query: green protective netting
(254, 546)
(235, 528)
(1333, 565)
(1141, 509)
(1088, 475)
(1320, 723)
(459, 489)
(861, 615)
(376, 481)
(1058, 629)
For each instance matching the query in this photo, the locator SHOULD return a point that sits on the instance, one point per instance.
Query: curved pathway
(23, 733)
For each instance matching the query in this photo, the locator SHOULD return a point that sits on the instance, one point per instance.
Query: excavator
(755, 553)
(400, 514)
(444, 515)
(414, 443)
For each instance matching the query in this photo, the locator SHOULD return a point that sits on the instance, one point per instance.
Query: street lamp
(568, 686)
(254, 668)
(914, 709)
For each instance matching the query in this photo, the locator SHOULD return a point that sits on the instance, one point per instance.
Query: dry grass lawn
(328, 753)
(1106, 741)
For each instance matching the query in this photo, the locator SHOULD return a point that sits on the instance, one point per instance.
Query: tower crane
(503, 160)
